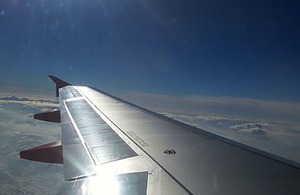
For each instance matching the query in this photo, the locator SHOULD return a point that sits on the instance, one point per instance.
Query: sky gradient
(180, 48)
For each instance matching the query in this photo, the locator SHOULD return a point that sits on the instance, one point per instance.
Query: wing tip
(59, 83)
(58, 80)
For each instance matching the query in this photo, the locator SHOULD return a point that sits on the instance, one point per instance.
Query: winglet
(59, 83)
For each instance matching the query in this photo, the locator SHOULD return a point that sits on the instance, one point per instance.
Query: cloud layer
(29, 102)
(252, 128)
(267, 125)
(229, 107)
(19, 131)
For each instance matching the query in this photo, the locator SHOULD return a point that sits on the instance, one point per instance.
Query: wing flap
(102, 143)
(77, 162)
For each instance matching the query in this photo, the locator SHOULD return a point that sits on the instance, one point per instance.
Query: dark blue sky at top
(212, 48)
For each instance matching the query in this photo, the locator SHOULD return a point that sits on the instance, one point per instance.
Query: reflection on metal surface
(68, 93)
(108, 184)
(102, 143)
(104, 182)
(126, 184)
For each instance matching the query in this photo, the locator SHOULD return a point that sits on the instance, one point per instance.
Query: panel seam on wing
(79, 134)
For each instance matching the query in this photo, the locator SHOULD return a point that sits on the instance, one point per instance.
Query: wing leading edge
(110, 146)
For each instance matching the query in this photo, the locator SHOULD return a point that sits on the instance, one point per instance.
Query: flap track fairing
(49, 153)
(50, 116)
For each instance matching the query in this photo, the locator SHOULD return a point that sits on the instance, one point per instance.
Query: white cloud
(226, 107)
(278, 138)
(215, 118)
(28, 101)
(33, 94)
(252, 128)
(19, 131)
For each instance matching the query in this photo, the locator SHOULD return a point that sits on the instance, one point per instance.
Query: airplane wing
(110, 146)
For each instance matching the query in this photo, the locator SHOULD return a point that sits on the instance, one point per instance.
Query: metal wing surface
(111, 146)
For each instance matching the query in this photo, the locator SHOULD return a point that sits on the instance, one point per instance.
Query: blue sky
(246, 49)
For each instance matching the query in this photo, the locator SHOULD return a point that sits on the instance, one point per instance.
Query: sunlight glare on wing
(104, 182)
